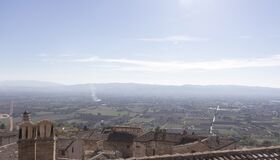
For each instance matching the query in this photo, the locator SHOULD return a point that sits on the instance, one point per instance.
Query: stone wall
(45, 149)
(26, 142)
(125, 148)
(160, 148)
(139, 149)
(151, 148)
(26, 150)
(4, 140)
(75, 151)
(36, 142)
(45, 142)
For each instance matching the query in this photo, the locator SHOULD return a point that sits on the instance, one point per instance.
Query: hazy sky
(144, 41)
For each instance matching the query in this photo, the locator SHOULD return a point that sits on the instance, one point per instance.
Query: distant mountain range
(132, 89)
(30, 83)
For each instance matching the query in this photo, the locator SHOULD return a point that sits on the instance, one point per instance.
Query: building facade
(160, 142)
(7, 137)
(69, 148)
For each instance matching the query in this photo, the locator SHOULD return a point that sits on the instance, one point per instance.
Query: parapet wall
(255, 153)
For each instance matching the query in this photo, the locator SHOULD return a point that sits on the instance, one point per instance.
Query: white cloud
(163, 66)
(67, 55)
(43, 55)
(185, 3)
(174, 39)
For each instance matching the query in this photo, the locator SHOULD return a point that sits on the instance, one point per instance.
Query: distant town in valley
(139, 79)
(116, 120)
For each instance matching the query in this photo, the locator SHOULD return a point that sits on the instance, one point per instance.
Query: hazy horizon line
(137, 83)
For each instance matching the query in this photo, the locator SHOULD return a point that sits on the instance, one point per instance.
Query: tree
(266, 143)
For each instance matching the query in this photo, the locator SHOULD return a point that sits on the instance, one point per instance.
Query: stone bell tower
(46, 141)
(26, 141)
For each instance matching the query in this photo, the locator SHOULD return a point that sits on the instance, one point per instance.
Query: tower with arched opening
(27, 136)
(36, 141)
(45, 141)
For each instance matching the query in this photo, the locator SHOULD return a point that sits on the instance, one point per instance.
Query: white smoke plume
(93, 94)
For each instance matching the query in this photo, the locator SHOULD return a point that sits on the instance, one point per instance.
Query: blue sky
(143, 41)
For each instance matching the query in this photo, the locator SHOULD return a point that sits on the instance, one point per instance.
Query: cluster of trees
(249, 141)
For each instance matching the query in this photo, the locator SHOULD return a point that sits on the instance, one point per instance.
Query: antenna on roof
(11, 121)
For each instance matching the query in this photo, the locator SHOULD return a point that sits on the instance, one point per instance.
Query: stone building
(69, 148)
(120, 142)
(211, 143)
(7, 137)
(36, 141)
(45, 141)
(128, 129)
(160, 142)
(26, 139)
(117, 139)
(91, 141)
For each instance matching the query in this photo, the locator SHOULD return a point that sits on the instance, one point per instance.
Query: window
(26, 133)
(20, 134)
(63, 153)
(45, 129)
(127, 146)
(34, 132)
(72, 149)
(52, 130)
(38, 131)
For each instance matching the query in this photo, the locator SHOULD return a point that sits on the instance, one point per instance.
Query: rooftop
(121, 136)
(176, 138)
(64, 143)
(264, 153)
